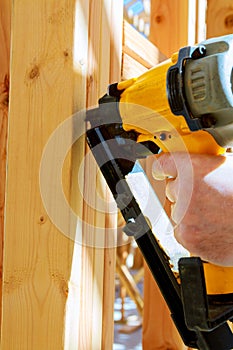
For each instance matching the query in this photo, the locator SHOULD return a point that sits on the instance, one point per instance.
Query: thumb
(164, 166)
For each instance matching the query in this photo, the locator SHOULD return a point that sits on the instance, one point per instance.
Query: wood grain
(5, 26)
(172, 24)
(91, 277)
(37, 257)
(98, 263)
(219, 18)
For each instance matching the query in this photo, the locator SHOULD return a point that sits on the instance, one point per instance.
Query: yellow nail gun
(184, 103)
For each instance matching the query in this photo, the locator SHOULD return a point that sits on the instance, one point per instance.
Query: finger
(179, 209)
(163, 167)
(175, 217)
(172, 190)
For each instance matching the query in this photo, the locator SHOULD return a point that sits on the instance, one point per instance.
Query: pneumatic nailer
(183, 104)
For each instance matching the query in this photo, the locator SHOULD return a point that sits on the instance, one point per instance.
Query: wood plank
(219, 18)
(172, 24)
(40, 280)
(131, 67)
(139, 48)
(139, 54)
(97, 299)
(90, 298)
(100, 41)
(5, 26)
(80, 61)
(116, 30)
(37, 256)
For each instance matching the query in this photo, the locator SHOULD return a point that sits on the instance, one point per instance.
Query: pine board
(172, 24)
(5, 18)
(37, 256)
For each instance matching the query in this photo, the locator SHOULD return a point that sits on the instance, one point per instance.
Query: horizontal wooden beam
(139, 54)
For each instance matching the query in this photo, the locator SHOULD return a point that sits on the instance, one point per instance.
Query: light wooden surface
(37, 257)
(116, 30)
(57, 287)
(5, 17)
(61, 292)
(91, 277)
(74, 311)
(138, 53)
(219, 18)
(172, 24)
(96, 324)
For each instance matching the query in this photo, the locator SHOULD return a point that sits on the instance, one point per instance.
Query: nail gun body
(184, 104)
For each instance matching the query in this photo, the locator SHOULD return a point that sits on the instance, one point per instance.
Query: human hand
(200, 189)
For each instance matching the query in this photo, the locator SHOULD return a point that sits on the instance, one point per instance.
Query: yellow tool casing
(144, 107)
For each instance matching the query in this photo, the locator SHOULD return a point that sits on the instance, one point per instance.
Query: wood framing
(55, 294)
(98, 262)
(57, 58)
(37, 257)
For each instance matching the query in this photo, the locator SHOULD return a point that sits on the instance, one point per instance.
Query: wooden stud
(74, 310)
(90, 302)
(116, 30)
(96, 322)
(58, 287)
(172, 24)
(37, 256)
(5, 24)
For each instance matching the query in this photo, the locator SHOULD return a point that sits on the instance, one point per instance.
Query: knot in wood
(4, 93)
(34, 73)
(229, 21)
(158, 19)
